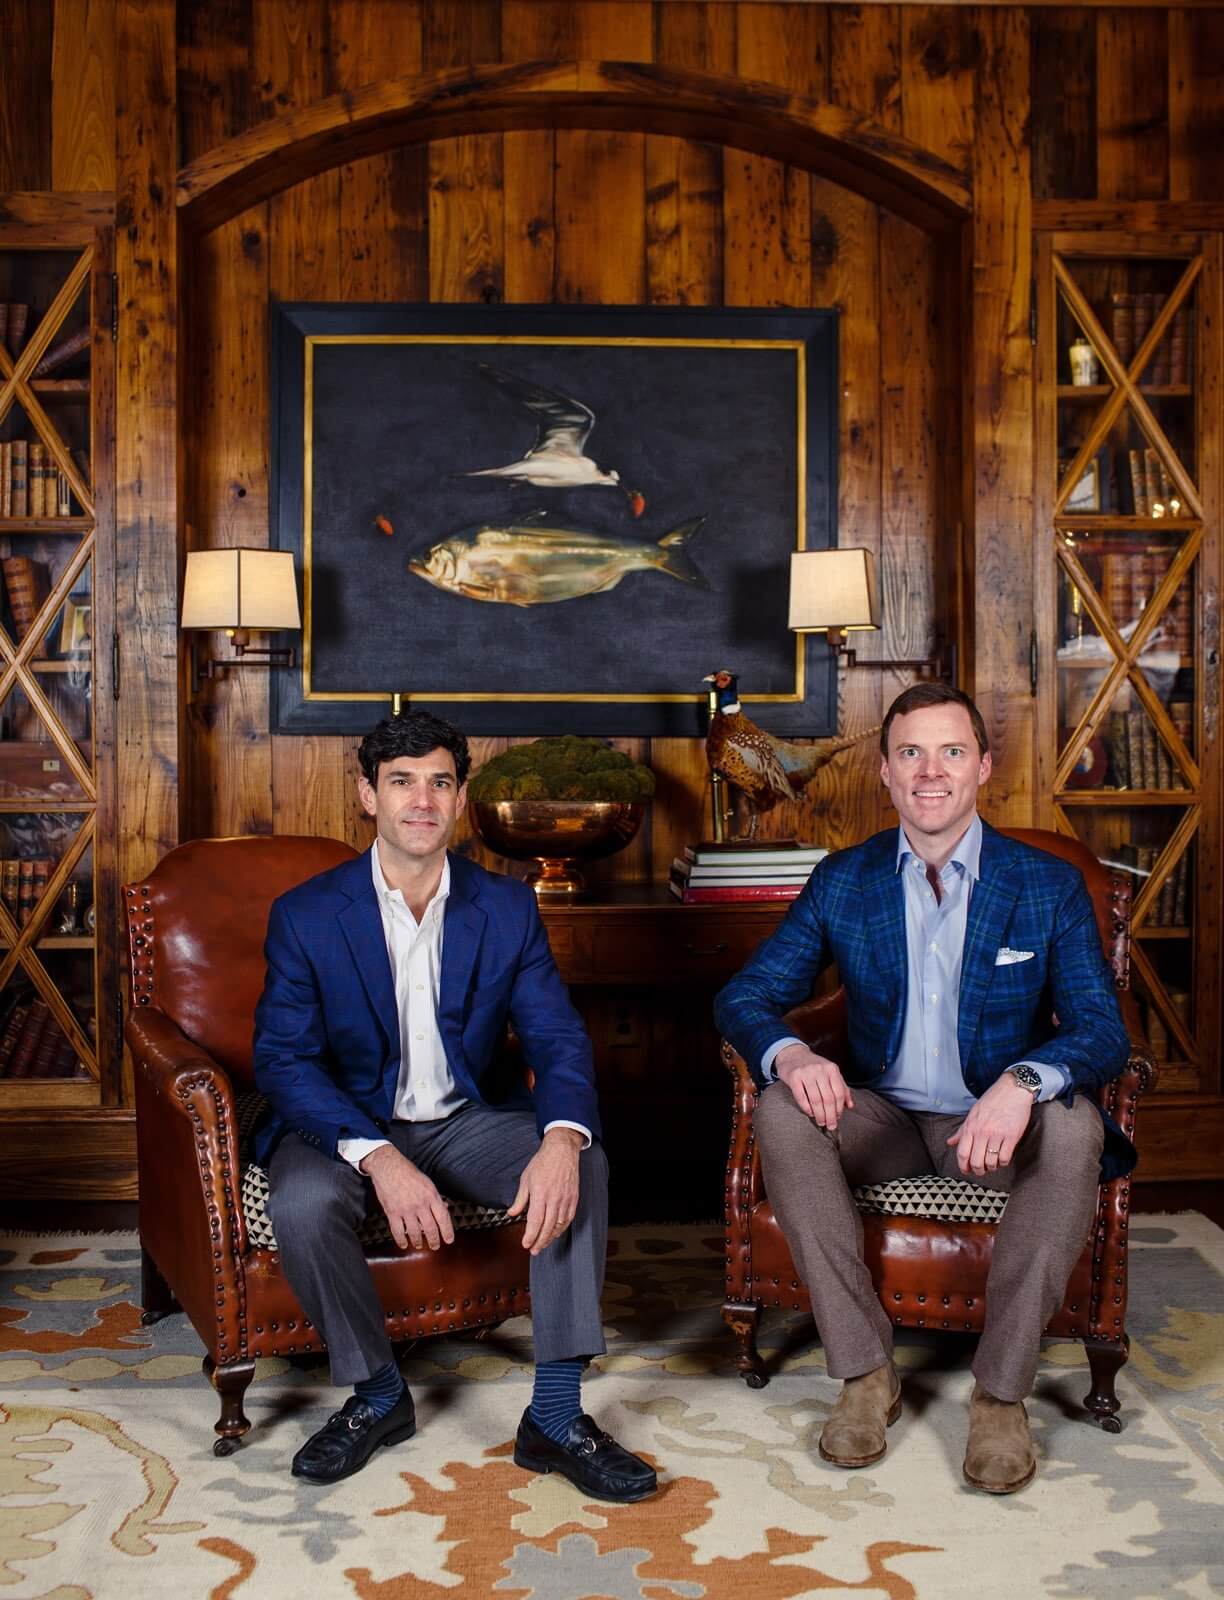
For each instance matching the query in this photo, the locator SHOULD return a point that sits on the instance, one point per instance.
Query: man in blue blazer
(390, 981)
(957, 947)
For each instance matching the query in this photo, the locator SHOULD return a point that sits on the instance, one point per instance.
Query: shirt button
(420, 985)
(934, 997)
(934, 946)
(420, 1035)
(935, 1052)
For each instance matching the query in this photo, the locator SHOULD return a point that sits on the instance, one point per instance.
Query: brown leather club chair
(928, 1241)
(196, 929)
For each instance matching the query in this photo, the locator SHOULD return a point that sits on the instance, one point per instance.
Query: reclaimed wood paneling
(146, 561)
(865, 61)
(83, 96)
(1002, 397)
(25, 102)
(1064, 103)
(1132, 104)
(941, 54)
(1196, 103)
(214, 73)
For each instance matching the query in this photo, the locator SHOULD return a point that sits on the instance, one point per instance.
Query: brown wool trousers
(1051, 1182)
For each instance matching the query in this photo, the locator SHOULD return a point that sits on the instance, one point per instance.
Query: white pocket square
(1008, 957)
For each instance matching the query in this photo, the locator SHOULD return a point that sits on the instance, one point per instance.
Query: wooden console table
(643, 971)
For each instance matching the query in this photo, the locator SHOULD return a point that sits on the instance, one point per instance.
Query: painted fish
(527, 565)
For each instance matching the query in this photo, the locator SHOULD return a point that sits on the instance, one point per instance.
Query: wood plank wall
(1035, 103)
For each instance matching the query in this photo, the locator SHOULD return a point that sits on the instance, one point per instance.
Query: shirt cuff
(1053, 1079)
(772, 1054)
(354, 1151)
(577, 1127)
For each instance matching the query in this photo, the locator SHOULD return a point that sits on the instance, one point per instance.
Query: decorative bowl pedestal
(557, 834)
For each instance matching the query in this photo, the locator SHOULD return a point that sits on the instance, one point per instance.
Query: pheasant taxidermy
(761, 767)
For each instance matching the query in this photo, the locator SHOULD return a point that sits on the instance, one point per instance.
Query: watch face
(1027, 1078)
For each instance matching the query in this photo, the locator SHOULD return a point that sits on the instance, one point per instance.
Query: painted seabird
(557, 460)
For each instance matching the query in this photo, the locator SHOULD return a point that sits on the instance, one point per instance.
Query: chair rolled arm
(1119, 1098)
(183, 1090)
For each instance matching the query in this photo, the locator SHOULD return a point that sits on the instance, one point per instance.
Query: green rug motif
(109, 1488)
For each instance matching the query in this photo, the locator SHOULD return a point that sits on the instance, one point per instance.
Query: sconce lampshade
(240, 589)
(833, 589)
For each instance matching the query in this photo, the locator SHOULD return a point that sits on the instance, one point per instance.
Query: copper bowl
(557, 834)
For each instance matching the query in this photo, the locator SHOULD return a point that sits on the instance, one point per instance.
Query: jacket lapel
(361, 925)
(884, 901)
(463, 929)
(994, 895)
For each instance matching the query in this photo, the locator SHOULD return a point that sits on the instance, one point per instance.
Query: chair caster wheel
(755, 1380)
(1110, 1425)
(226, 1447)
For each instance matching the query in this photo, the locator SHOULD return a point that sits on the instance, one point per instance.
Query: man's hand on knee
(415, 1211)
(549, 1189)
(988, 1137)
(816, 1083)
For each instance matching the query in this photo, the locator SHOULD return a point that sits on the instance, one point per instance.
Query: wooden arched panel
(830, 140)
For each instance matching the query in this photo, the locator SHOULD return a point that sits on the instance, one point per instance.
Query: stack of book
(1129, 579)
(1172, 906)
(1131, 317)
(22, 884)
(1138, 758)
(31, 484)
(33, 1045)
(710, 874)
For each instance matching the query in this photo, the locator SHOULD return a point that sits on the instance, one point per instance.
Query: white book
(805, 853)
(737, 872)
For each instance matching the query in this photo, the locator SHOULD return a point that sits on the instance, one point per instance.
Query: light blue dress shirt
(926, 1074)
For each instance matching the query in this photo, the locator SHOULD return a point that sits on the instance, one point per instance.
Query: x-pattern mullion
(1158, 997)
(1114, 674)
(1169, 856)
(1126, 384)
(20, 938)
(15, 376)
(23, 650)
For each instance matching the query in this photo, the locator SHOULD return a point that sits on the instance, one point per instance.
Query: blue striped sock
(556, 1398)
(382, 1389)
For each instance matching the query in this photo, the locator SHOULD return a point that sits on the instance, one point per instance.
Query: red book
(745, 891)
(22, 1063)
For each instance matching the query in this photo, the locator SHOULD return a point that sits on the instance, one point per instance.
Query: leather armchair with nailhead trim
(925, 1242)
(196, 929)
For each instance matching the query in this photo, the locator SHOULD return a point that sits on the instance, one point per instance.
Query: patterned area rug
(109, 1488)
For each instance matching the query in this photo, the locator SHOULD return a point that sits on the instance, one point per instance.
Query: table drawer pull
(714, 950)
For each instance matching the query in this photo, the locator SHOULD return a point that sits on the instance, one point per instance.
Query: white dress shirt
(425, 1090)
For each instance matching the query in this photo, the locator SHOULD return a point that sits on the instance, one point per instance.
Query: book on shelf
(21, 1064)
(1138, 483)
(19, 498)
(741, 870)
(41, 875)
(9, 878)
(699, 879)
(13, 1029)
(18, 318)
(25, 583)
(1122, 326)
(63, 352)
(36, 479)
(63, 495)
(47, 1050)
(1179, 345)
(717, 894)
(1157, 1033)
(25, 891)
(1181, 893)
(6, 478)
(786, 855)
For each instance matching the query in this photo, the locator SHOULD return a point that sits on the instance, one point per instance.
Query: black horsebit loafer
(590, 1458)
(350, 1436)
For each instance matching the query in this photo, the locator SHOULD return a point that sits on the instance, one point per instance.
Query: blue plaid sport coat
(852, 912)
(327, 1042)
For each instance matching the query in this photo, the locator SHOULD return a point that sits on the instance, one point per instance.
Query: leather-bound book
(18, 317)
(19, 506)
(25, 891)
(10, 873)
(13, 1029)
(22, 1063)
(3, 322)
(23, 579)
(6, 479)
(36, 478)
(62, 352)
(42, 873)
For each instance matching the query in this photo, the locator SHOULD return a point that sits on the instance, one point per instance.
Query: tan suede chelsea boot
(999, 1456)
(854, 1435)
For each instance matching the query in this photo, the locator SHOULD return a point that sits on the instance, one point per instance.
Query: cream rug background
(109, 1488)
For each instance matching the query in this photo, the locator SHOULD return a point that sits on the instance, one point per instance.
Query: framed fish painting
(548, 519)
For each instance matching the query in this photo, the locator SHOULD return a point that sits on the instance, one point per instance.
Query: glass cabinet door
(1121, 494)
(48, 774)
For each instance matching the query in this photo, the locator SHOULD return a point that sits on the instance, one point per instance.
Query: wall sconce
(239, 591)
(834, 592)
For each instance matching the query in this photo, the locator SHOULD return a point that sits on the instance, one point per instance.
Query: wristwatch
(1028, 1078)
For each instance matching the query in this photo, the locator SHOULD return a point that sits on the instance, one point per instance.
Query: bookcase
(59, 1046)
(1127, 644)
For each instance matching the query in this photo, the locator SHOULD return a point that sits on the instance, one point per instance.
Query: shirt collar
(967, 854)
(389, 896)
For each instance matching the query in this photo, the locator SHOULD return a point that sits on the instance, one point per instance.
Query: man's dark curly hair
(412, 733)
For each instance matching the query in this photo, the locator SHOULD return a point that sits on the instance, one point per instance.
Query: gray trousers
(1052, 1183)
(478, 1153)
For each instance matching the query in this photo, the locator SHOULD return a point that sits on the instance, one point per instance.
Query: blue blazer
(327, 1044)
(852, 912)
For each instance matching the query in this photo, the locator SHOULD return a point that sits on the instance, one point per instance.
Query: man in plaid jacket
(956, 947)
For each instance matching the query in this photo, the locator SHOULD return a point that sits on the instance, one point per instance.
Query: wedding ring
(991, 1152)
